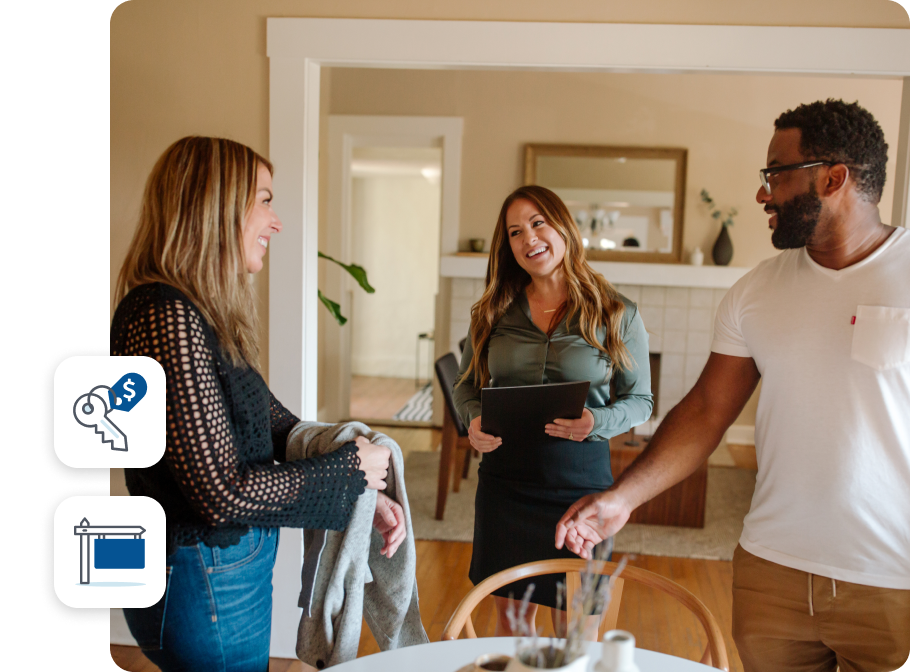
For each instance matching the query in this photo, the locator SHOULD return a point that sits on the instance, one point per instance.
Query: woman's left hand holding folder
(574, 430)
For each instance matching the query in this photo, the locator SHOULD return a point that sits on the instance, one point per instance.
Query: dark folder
(521, 413)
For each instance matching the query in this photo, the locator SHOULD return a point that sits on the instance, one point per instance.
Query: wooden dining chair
(456, 448)
(715, 654)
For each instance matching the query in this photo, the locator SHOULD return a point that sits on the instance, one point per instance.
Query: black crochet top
(225, 430)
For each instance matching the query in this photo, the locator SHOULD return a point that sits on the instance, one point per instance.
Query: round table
(453, 655)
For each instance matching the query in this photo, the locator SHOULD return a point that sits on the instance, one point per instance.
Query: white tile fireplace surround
(677, 305)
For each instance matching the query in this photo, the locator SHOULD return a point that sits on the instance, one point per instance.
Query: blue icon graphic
(127, 392)
(92, 410)
(117, 553)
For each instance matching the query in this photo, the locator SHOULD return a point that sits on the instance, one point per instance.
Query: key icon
(91, 410)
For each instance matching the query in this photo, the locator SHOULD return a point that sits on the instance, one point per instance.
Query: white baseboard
(741, 435)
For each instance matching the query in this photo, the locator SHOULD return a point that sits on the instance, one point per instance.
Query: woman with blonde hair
(185, 299)
(545, 317)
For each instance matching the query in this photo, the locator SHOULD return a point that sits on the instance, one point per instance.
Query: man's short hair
(846, 133)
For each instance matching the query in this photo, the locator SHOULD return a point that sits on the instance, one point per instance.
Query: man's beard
(796, 220)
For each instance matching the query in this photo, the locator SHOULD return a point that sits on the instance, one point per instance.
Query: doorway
(393, 208)
(395, 221)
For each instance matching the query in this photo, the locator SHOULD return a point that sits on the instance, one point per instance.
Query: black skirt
(522, 492)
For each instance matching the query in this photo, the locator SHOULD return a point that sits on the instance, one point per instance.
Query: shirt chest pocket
(881, 337)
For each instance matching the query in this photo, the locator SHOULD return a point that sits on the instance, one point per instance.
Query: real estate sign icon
(125, 551)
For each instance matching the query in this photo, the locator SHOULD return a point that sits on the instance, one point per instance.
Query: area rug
(729, 496)
(419, 406)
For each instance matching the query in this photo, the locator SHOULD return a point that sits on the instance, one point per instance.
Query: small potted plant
(722, 253)
(532, 652)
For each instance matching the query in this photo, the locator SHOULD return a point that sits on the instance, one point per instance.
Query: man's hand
(590, 520)
(389, 520)
(687, 436)
(482, 443)
(574, 430)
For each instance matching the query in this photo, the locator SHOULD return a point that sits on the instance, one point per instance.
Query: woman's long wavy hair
(592, 301)
(190, 236)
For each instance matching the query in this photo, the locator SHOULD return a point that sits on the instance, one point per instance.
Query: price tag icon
(127, 392)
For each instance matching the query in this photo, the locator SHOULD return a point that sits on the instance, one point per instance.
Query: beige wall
(725, 122)
(395, 236)
(199, 66)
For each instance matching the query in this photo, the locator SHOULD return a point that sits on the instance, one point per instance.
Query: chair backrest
(447, 371)
(715, 653)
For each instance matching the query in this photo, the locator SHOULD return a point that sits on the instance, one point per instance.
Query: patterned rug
(729, 497)
(419, 407)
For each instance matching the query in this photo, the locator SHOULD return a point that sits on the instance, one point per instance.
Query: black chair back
(447, 372)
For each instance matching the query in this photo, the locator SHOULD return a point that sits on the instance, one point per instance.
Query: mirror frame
(533, 151)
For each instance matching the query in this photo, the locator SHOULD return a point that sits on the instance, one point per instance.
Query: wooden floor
(657, 621)
(375, 397)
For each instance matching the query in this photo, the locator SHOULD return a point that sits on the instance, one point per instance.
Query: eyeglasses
(765, 173)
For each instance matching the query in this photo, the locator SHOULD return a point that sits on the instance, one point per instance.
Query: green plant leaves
(715, 212)
(333, 308)
(357, 272)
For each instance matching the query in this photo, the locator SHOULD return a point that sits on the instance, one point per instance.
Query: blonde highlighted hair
(592, 301)
(190, 236)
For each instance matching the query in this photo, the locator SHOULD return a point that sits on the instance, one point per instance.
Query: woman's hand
(389, 520)
(374, 462)
(574, 430)
(482, 443)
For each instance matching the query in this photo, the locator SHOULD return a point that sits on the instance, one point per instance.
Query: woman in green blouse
(545, 317)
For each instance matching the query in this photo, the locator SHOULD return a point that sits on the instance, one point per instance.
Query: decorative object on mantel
(723, 247)
(477, 244)
(697, 258)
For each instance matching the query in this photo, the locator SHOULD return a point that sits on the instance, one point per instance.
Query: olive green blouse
(521, 354)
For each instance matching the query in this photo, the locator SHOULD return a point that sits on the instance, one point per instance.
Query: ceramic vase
(580, 664)
(618, 654)
(697, 258)
(723, 248)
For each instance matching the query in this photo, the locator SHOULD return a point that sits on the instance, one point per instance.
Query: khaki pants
(785, 620)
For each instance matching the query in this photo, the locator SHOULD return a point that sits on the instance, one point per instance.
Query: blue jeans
(216, 612)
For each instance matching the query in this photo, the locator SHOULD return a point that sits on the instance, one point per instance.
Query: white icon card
(109, 551)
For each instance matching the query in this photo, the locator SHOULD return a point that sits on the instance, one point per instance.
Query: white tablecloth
(453, 655)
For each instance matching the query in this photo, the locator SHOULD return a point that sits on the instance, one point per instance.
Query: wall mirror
(627, 201)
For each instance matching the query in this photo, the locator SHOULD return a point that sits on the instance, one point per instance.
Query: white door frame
(345, 133)
(298, 48)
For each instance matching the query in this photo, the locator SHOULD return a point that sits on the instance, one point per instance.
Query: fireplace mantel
(471, 265)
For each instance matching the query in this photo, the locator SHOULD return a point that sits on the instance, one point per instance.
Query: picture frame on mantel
(627, 201)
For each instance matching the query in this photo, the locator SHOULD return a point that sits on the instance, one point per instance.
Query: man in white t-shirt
(821, 577)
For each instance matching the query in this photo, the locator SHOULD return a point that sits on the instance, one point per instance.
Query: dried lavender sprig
(510, 614)
(587, 602)
(524, 628)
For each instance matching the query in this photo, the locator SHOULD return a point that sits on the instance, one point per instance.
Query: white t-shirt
(832, 432)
